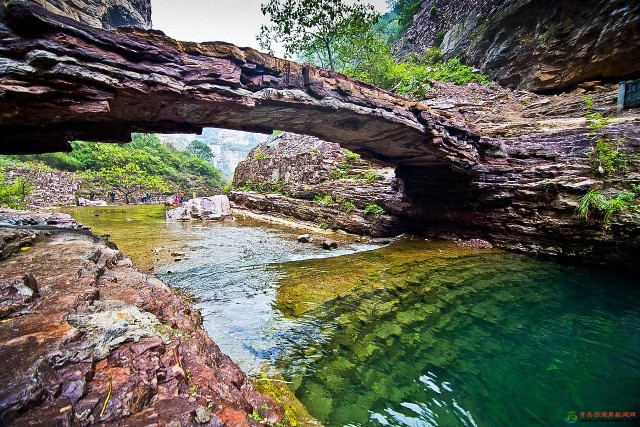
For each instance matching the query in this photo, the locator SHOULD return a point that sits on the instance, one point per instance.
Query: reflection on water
(417, 333)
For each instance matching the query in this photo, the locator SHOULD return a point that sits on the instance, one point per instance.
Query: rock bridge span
(61, 80)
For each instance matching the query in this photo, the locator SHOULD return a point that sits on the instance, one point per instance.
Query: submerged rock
(329, 244)
(305, 238)
(207, 208)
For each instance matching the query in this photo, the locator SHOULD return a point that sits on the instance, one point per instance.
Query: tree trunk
(330, 55)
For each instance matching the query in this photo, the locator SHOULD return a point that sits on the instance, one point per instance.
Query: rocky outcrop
(532, 44)
(534, 167)
(108, 14)
(522, 196)
(206, 208)
(62, 80)
(305, 178)
(49, 188)
(85, 339)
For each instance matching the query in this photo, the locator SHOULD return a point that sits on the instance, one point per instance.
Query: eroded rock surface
(308, 179)
(61, 80)
(540, 45)
(208, 208)
(103, 14)
(85, 339)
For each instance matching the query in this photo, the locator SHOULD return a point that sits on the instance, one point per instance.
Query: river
(416, 333)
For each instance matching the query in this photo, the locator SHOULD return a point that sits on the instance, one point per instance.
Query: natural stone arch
(62, 80)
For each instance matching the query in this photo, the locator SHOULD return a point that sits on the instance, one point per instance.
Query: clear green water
(417, 333)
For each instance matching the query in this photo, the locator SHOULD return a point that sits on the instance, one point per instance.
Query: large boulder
(207, 208)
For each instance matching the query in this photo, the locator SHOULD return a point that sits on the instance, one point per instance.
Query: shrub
(606, 157)
(14, 195)
(323, 199)
(346, 205)
(259, 155)
(373, 210)
(371, 176)
(351, 156)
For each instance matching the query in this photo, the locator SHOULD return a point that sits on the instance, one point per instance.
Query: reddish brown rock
(102, 343)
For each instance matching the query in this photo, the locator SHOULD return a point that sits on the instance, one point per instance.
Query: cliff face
(522, 195)
(107, 14)
(540, 45)
(305, 178)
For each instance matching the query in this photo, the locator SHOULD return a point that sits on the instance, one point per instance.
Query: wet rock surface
(207, 208)
(535, 45)
(86, 340)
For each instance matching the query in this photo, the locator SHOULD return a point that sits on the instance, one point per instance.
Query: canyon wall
(540, 45)
(107, 14)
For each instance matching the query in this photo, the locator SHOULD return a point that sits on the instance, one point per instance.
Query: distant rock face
(540, 45)
(107, 14)
(306, 178)
(229, 147)
(207, 208)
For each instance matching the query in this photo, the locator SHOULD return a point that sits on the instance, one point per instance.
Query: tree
(200, 149)
(122, 173)
(14, 195)
(308, 26)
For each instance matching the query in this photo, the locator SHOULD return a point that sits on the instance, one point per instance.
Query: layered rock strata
(305, 178)
(86, 339)
(531, 44)
(61, 80)
(107, 14)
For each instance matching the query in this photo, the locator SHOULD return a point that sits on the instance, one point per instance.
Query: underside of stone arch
(61, 80)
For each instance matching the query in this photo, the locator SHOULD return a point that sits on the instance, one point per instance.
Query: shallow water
(417, 333)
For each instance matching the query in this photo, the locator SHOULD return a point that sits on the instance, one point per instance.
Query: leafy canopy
(152, 166)
(200, 149)
(314, 25)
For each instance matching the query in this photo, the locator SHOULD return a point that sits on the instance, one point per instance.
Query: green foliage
(590, 202)
(161, 165)
(371, 176)
(373, 210)
(14, 195)
(314, 26)
(200, 149)
(345, 205)
(122, 173)
(594, 204)
(432, 10)
(227, 189)
(260, 155)
(323, 199)
(256, 416)
(438, 38)
(351, 156)
(405, 11)
(606, 157)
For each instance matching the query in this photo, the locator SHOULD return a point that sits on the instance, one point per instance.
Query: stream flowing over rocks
(87, 339)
